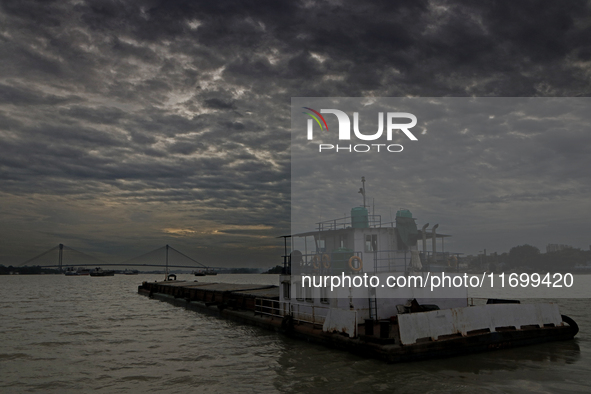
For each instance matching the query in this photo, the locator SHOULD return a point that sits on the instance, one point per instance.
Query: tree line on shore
(529, 257)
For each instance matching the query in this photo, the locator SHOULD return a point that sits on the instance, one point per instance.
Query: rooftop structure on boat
(381, 246)
(362, 244)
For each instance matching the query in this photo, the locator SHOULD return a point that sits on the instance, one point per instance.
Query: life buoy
(326, 260)
(353, 258)
(316, 261)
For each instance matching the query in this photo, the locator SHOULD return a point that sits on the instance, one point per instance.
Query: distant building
(556, 247)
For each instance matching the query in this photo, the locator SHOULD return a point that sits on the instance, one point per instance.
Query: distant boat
(72, 271)
(130, 272)
(98, 271)
(205, 272)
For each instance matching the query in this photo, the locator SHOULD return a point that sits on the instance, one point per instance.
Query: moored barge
(401, 338)
(391, 323)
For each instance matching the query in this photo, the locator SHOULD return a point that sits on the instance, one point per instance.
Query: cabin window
(286, 291)
(321, 246)
(371, 243)
(343, 241)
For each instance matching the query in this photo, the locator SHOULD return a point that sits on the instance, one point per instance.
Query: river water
(80, 334)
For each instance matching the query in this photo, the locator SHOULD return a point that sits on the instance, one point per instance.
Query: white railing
(268, 307)
(307, 313)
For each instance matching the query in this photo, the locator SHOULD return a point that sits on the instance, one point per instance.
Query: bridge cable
(184, 255)
(41, 255)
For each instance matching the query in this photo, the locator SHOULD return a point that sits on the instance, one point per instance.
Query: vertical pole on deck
(285, 255)
(405, 260)
(363, 190)
(166, 278)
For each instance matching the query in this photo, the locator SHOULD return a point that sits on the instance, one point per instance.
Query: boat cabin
(358, 247)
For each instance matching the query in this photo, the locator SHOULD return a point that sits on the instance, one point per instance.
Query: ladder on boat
(373, 308)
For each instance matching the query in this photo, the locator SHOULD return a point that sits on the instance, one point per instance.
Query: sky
(125, 126)
(493, 172)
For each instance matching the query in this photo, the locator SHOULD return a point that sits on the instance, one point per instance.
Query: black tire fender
(287, 323)
(571, 323)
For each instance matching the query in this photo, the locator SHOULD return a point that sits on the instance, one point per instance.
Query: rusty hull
(237, 302)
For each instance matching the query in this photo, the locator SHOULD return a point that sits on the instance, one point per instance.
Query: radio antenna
(362, 190)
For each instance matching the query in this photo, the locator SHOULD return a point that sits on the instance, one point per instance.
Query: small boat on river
(98, 271)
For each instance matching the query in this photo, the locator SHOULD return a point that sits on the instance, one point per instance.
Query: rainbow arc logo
(316, 117)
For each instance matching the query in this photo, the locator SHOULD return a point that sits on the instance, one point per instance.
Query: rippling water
(81, 334)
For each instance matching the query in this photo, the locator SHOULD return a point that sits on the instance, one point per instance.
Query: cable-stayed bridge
(61, 256)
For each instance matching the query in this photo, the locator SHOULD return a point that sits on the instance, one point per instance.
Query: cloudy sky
(493, 172)
(128, 125)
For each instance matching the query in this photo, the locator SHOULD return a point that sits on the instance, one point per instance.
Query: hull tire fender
(287, 323)
(571, 323)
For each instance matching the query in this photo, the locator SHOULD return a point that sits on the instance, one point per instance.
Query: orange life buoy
(316, 261)
(353, 258)
(326, 260)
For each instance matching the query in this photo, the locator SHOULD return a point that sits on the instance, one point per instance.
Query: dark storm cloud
(183, 107)
(217, 103)
(23, 96)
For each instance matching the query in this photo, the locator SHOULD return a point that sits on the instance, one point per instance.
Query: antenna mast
(362, 190)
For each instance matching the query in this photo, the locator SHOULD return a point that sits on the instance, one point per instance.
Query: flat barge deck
(259, 305)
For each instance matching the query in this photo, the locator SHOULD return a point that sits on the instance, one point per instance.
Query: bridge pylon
(60, 258)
